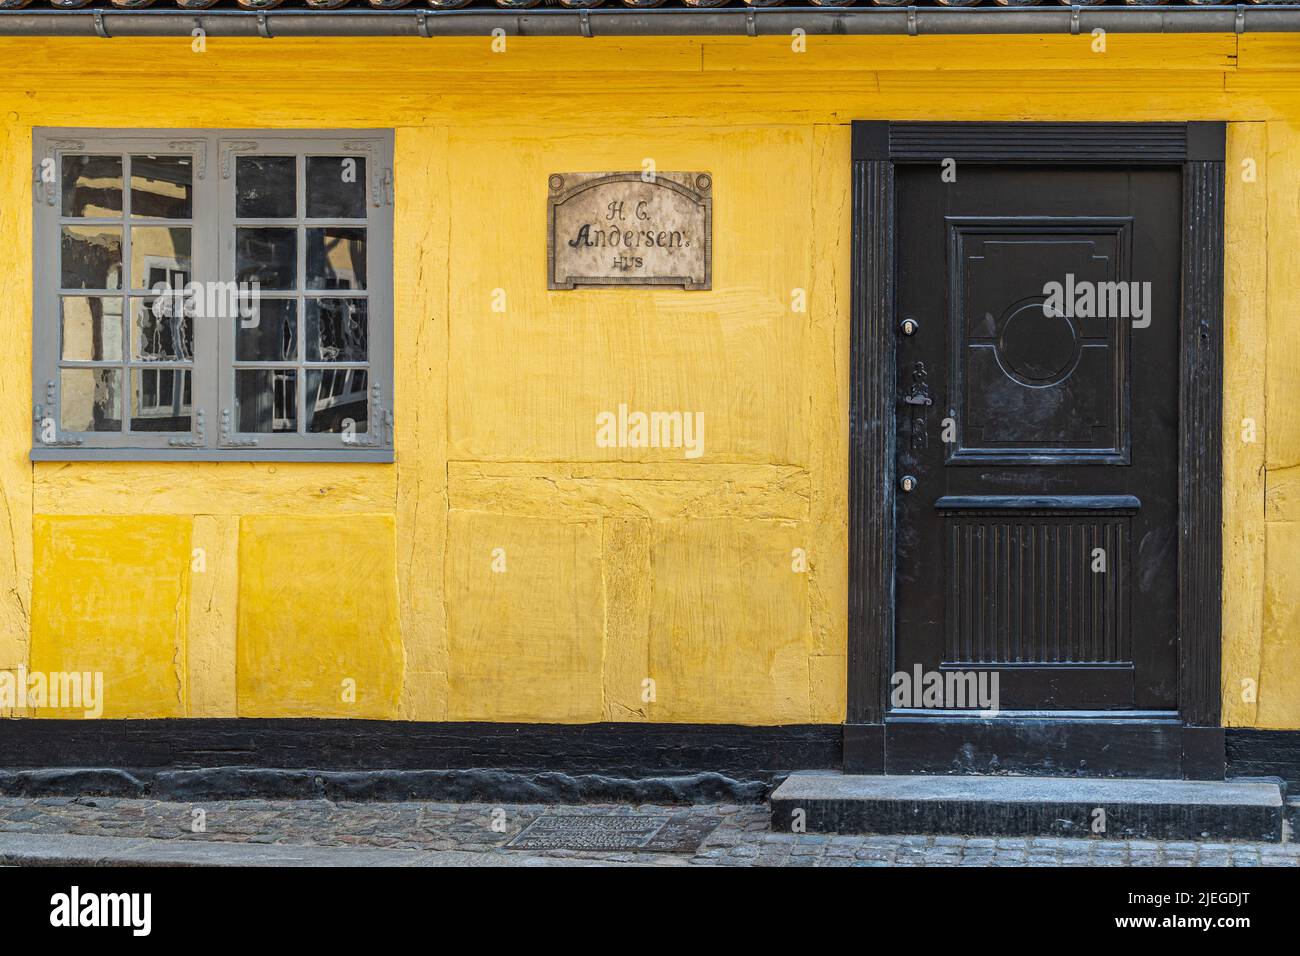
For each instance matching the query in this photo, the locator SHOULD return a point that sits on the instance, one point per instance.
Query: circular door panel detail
(1036, 346)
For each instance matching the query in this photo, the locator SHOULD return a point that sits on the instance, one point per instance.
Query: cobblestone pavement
(741, 836)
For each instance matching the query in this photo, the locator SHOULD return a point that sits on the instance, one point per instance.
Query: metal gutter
(734, 21)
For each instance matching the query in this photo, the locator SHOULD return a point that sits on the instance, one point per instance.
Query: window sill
(349, 456)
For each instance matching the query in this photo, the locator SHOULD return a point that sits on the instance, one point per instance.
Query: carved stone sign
(630, 229)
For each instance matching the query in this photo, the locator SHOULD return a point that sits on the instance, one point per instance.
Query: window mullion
(208, 336)
(223, 218)
(124, 284)
(300, 375)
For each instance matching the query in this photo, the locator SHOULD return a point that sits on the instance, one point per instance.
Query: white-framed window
(212, 294)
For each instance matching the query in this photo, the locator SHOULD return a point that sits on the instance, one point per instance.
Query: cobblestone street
(455, 833)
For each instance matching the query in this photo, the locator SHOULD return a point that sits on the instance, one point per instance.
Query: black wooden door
(1038, 432)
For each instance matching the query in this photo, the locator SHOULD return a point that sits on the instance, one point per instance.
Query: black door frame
(1187, 743)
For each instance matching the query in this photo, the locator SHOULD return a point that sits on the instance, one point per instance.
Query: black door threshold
(1083, 745)
(822, 802)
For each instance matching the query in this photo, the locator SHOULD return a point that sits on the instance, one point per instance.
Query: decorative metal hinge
(199, 148)
(200, 434)
(48, 188)
(228, 440)
(380, 431)
(43, 425)
(227, 155)
(387, 186)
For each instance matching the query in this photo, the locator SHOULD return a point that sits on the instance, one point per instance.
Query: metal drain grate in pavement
(658, 833)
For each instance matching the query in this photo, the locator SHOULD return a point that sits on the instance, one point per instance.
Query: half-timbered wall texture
(621, 565)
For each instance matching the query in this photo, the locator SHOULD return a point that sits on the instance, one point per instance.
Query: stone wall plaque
(630, 229)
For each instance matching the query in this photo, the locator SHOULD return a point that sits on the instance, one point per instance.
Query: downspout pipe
(625, 22)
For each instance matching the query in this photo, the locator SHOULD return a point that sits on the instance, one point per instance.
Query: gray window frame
(215, 436)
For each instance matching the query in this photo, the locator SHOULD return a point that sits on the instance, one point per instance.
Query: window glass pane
(92, 186)
(336, 400)
(91, 257)
(266, 187)
(160, 400)
(336, 187)
(267, 256)
(90, 328)
(269, 333)
(161, 329)
(90, 399)
(336, 258)
(266, 400)
(160, 256)
(162, 186)
(337, 330)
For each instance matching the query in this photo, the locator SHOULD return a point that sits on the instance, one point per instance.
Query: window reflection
(92, 186)
(336, 187)
(335, 397)
(90, 328)
(160, 255)
(160, 400)
(164, 331)
(266, 400)
(266, 187)
(270, 334)
(336, 258)
(267, 256)
(337, 330)
(162, 187)
(90, 399)
(91, 257)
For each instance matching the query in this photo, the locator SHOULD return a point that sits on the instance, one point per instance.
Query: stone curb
(444, 786)
(27, 849)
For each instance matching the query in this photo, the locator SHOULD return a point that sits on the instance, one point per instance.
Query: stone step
(1030, 806)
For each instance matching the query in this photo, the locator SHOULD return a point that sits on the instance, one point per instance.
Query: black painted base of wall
(673, 763)
(399, 760)
(1264, 753)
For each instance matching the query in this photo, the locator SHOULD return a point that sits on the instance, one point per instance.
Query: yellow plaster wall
(525, 617)
(317, 630)
(636, 586)
(113, 598)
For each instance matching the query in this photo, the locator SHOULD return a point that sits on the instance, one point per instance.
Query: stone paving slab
(25, 849)
(319, 832)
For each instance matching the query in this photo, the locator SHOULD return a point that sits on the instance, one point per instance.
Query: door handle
(919, 393)
(919, 398)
